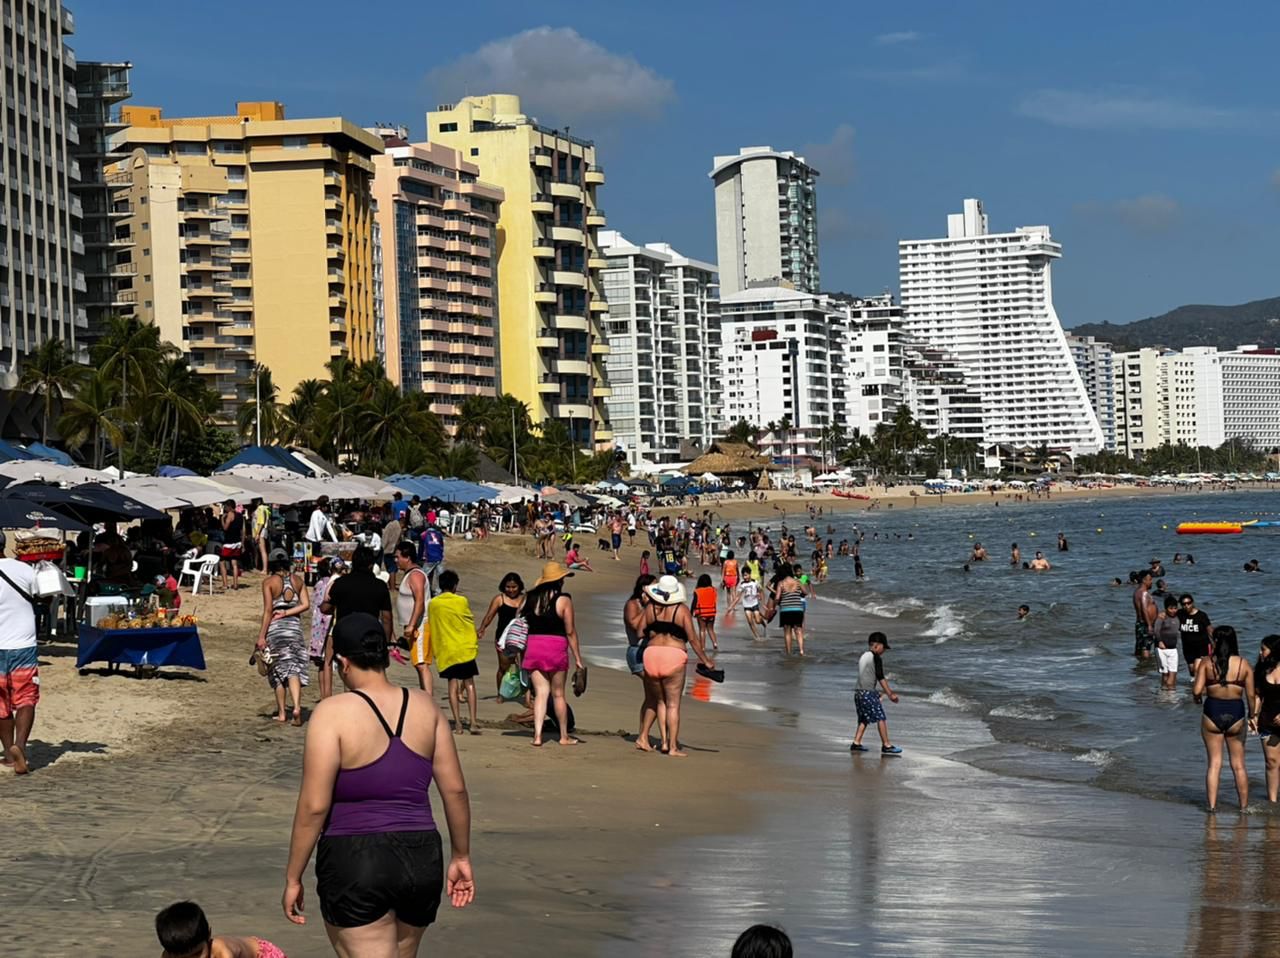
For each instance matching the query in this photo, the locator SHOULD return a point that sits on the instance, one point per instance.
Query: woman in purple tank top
(370, 758)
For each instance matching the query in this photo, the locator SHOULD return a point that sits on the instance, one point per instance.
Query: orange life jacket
(730, 568)
(706, 602)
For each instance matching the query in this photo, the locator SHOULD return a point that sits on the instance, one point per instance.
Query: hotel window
(295, 142)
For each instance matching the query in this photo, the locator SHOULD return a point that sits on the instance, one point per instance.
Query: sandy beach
(146, 791)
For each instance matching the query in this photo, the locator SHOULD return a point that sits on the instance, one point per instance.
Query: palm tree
(339, 415)
(91, 414)
(475, 416)
(130, 351)
(259, 384)
(178, 400)
(298, 420)
(381, 419)
(368, 377)
(49, 373)
(461, 461)
(743, 432)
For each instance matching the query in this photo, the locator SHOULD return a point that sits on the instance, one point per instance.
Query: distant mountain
(1223, 326)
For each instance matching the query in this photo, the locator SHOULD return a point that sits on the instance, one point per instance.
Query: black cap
(358, 632)
(880, 637)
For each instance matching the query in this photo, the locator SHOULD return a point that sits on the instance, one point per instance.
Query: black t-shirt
(1195, 634)
(359, 592)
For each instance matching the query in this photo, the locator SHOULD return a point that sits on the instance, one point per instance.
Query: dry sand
(145, 791)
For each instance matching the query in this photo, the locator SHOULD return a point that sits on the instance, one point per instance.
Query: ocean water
(1050, 798)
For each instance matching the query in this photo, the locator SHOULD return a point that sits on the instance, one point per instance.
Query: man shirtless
(1040, 563)
(1145, 613)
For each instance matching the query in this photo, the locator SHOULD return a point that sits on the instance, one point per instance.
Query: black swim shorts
(362, 877)
(463, 670)
(789, 618)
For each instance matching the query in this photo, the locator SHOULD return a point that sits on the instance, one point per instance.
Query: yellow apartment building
(252, 241)
(550, 301)
(438, 230)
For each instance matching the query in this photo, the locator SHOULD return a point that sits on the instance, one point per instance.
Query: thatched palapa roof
(730, 459)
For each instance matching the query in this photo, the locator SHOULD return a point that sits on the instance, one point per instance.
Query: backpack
(416, 521)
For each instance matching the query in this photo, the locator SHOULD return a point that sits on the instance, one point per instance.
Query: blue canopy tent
(447, 490)
(174, 472)
(10, 452)
(276, 456)
(41, 451)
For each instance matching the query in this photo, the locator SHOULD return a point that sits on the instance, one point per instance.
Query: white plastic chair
(197, 569)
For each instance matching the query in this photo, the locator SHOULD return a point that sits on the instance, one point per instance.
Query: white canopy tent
(32, 470)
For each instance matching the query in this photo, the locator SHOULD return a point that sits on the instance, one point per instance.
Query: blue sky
(1144, 134)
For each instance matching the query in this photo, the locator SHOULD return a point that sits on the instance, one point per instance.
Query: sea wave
(946, 622)
(1099, 757)
(889, 609)
(1027, 711)
(953, 700)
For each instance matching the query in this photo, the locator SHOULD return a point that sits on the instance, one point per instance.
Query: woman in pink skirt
(552, 636)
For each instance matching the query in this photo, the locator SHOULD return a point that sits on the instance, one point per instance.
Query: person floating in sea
(979, 553)
(1023, 612)
(1252, 566)
(1144, 610)
(1015, 555)
(1062, 542)
(1040, 563)
(866, 696)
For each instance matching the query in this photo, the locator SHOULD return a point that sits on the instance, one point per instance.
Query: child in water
(704, 609)
(184, 932)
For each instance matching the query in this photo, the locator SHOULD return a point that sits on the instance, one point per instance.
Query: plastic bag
(511, 689)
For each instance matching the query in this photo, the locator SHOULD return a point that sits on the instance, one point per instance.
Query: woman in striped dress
(284, 601)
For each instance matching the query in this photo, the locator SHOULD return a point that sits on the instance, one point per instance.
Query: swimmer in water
(1023, 612)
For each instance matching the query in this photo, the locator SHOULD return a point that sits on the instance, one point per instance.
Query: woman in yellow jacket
(452, 629)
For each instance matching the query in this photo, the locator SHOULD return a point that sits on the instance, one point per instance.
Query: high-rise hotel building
(438, 227)
(551, 342)
(987, 299)
(766, 220)
(1095, 361)
(252, 241)
(39, 211)
(663, 330)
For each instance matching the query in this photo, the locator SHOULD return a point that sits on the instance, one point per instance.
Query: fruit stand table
(178, 645)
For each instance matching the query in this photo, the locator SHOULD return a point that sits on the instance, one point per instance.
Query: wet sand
(147, 791)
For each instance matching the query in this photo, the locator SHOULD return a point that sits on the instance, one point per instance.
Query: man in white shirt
(19, 665)
(321, 527)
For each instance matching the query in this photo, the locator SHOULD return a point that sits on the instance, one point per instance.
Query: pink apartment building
(439, 248)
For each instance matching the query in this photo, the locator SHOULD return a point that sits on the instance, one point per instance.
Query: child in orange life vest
(729, 574)
(704, 609)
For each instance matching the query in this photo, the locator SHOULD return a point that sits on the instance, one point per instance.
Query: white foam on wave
(952, 700)
(885, 610)
(1024, 711)
(1098, 757)
(946, 622)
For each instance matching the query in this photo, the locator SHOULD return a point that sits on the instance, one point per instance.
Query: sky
(1145, 135)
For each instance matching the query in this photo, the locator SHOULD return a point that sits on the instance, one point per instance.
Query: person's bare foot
(280, 718)
(18, 759)
(678, 753)
(643, 746)
(571, 741)
(297, 718)
(536, 744)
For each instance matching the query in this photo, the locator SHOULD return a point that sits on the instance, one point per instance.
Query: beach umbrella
(549, 491)
(39, 470)
(174, 472)
(18, 513)
(90, 502)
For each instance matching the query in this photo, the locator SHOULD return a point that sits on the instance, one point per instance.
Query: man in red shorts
(19, 666)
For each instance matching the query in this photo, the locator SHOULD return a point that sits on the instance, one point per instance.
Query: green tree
(260, 385)
(743, 431)
(92, 414)
(51, 374)
(177, 403)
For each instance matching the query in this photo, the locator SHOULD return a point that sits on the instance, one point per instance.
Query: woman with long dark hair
(1226, 682)
(1266, 710)
(280, 638)
(504, 607)
(552, 636)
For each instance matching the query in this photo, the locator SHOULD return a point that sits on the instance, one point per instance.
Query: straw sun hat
(666, 591)
(552, 572)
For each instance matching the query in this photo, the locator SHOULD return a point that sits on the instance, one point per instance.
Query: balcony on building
(542, 203)
(595, 217)
(594, 176)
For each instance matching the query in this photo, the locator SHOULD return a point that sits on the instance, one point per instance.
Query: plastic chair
(197, 569)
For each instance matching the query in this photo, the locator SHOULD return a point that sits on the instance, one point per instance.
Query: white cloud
(1149, 213)
(900, 36)
(1134, 110)
(557, 73)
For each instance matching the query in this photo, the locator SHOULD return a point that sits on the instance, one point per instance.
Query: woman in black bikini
(1226, 682)
(1266, 710)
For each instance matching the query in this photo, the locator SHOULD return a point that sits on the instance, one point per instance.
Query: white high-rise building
(1251, 396)
(1094, 361)
(39, 215)
(784, 363)
(663, 331)
(1193, 397)
(1140, 410)
(766, 220)
(1183, 397)
(938, 394)
(874, 353)
(987, 299)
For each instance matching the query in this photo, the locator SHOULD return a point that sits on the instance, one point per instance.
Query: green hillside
(1223, 326)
